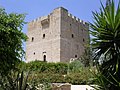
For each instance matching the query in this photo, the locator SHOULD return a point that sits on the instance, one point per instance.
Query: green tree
(106, 43)
(11, 39)
(86, 57)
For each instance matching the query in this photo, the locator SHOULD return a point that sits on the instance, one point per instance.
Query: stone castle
(57, 37)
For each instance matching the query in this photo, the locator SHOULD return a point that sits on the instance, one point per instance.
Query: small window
(34, 53)
(32, 39)
(83, 40)
(43, 35)
(70, 26)
(75, 56)
(44, 58)
(72, 36)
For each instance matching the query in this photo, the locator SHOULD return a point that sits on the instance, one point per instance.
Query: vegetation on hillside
(74, 73)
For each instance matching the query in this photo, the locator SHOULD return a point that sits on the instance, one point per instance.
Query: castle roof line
(69, 14)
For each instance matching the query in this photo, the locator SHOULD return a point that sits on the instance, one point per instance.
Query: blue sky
(36, 8)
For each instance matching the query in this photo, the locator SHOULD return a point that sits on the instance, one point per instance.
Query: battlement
(77, 19)
(39, 19)
(65, 11)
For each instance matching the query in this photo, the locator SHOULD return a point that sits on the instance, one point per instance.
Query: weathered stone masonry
(57, 37)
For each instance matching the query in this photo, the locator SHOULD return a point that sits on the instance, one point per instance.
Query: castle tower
(57, 37)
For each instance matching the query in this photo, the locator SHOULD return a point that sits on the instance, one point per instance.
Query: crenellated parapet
(45, 19)
(77, 19)
(65, 10)
(40, 19)
(38, 22)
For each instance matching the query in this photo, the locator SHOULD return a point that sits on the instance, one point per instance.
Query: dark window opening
(44, 58)
(70, 26)
(43, 35)
(75, 56)
(34, 53)
(72, 36)
(83, 40)
(32, 39)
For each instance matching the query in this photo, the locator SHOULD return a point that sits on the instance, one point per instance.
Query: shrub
(45, 67)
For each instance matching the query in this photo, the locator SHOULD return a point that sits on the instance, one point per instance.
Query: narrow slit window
(43, 36)
(72, 35)
(32, 39)
(83, 40)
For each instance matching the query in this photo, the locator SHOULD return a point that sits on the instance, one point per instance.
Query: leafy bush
(46, 73)
(45, 67)
(75, 66)
(73, 78)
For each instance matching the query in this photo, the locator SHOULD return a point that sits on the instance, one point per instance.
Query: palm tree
(106, 43)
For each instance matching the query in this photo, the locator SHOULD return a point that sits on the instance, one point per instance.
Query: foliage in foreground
(73, 78)
(14, 81)
(22, 81)
(74, 73)
(11, 38)
(44, 67)
(106, 43)
(42, 78)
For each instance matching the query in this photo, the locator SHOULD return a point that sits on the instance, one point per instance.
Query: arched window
(44, 58)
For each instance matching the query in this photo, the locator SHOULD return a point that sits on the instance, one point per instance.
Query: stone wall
(74, 36)
(56, 37)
